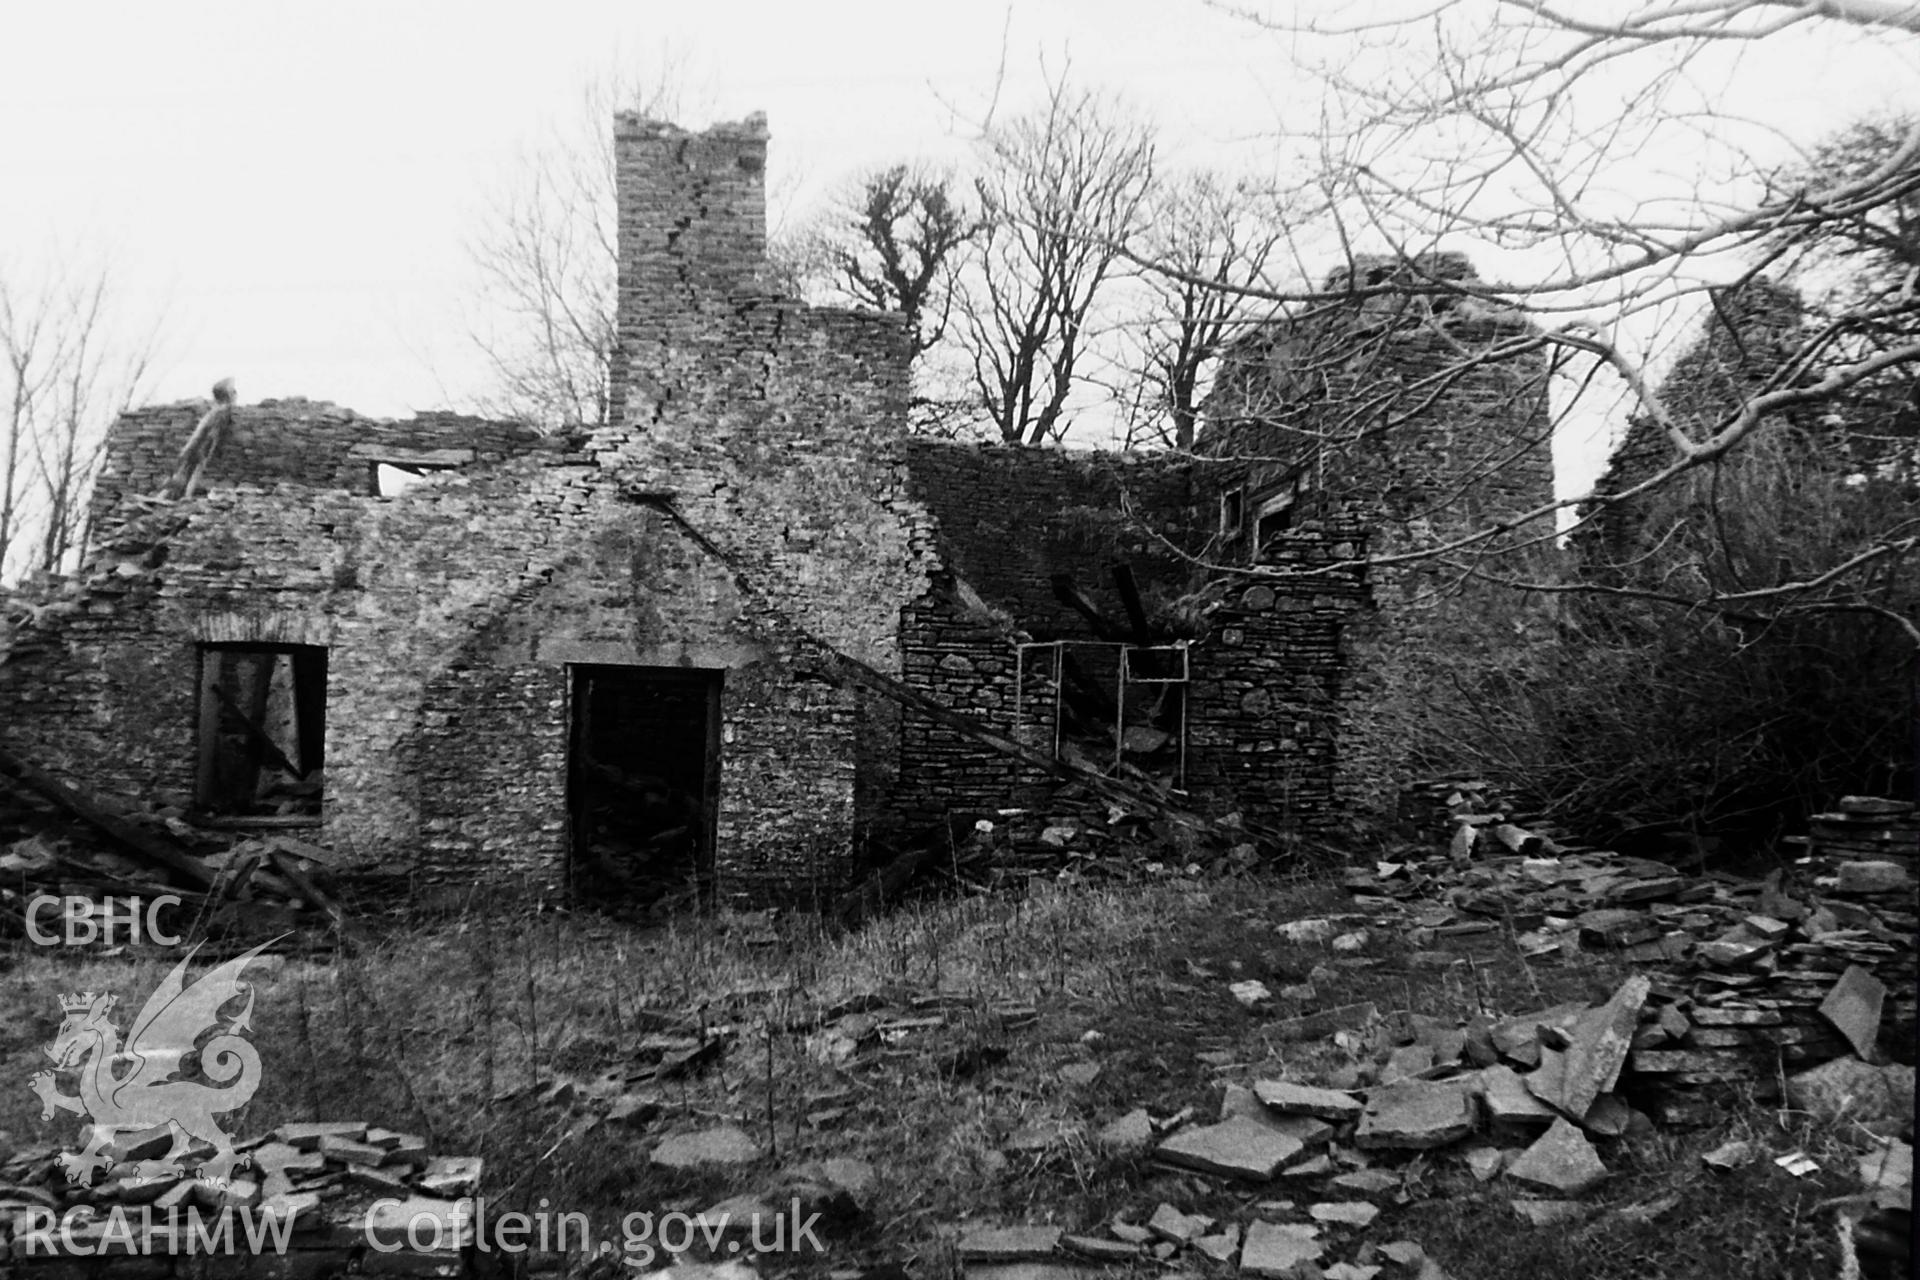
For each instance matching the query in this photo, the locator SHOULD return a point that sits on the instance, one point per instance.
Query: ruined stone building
(460, 652)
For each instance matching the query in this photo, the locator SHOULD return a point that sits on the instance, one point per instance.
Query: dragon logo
(131, 1090)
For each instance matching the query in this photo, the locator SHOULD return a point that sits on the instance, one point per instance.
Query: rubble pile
(1434, 808)
(1865, 829)
(306, 1201)
(1536, 1099)
(235, 891)
(1745, 975)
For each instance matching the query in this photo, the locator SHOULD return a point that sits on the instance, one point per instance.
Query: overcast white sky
(296, 183)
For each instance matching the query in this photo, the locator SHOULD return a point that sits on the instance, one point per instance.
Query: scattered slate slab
(451, 1175)
(1367, 1181)
(1252, 994)
(1851, 1087)
(1484, 1162)
(306, 1136)
(1446, 1038)
(1406, 1063)
(1798, 1163)
(1609, 1116)
(1301, 931)
(1873, 877)
(1853, 1008)
(1561, 1160)
(726, 1145)
(1100, 1249)
(1235, 1148)
(1417, 1116)
(1221, 1246)
(1728, 1155)
(1616, 927)
(1170, 1224)
(1403, 1252)
(1509, 1100)
(1892, 1166)
(1280, 1249)
(1549, 1213)
(1306, 1130)
(1309, 1168)
(1350, 1271)
(1518, 1039)
(1302, 1099)
(1080, 1073)
(281, 1157)
(1131, 1132)
(1733, 952)
(1350, 1213)
(1131, 1232)
(1325, 1022)
(1008, 1244)
(1597, 1045)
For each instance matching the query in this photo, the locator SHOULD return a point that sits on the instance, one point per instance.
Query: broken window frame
(216, 715)
(1233, 513)
(1276, 504)
(1126, 671)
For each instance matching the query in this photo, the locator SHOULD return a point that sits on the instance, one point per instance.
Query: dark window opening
(262, 731)
(643, 775)
(1277, 520)
(1275, 515)
(391, 479)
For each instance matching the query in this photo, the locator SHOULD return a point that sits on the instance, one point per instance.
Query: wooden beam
(262, 743)
(107, 820)
(1068, 592)
(1130, 600)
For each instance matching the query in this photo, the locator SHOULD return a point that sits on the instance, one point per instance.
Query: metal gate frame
(1125, 676)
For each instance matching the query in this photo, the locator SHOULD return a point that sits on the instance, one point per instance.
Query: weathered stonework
(1405, 420)
(753, 516)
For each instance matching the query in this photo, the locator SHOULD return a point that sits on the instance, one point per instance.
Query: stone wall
(1414, 414)
(1273, 686)
(753, 507)
(307, 443)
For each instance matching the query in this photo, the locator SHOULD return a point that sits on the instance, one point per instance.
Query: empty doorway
(643, 775)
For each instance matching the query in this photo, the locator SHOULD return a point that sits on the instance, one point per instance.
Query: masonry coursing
(753, 509)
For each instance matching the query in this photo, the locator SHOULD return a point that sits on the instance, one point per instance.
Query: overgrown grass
(450, 1031)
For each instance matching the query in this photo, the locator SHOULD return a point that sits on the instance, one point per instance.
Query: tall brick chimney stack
(693, 234)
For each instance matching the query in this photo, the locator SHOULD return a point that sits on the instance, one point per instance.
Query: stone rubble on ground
(1739, 973)
(1732, 978)
(335, 1182)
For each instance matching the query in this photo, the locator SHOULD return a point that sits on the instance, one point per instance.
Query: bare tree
(1859, 278)
(1062, 190)
(1528, 133)
(891, 240)
(69, 364)
(547, 254)
(1218, 235)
